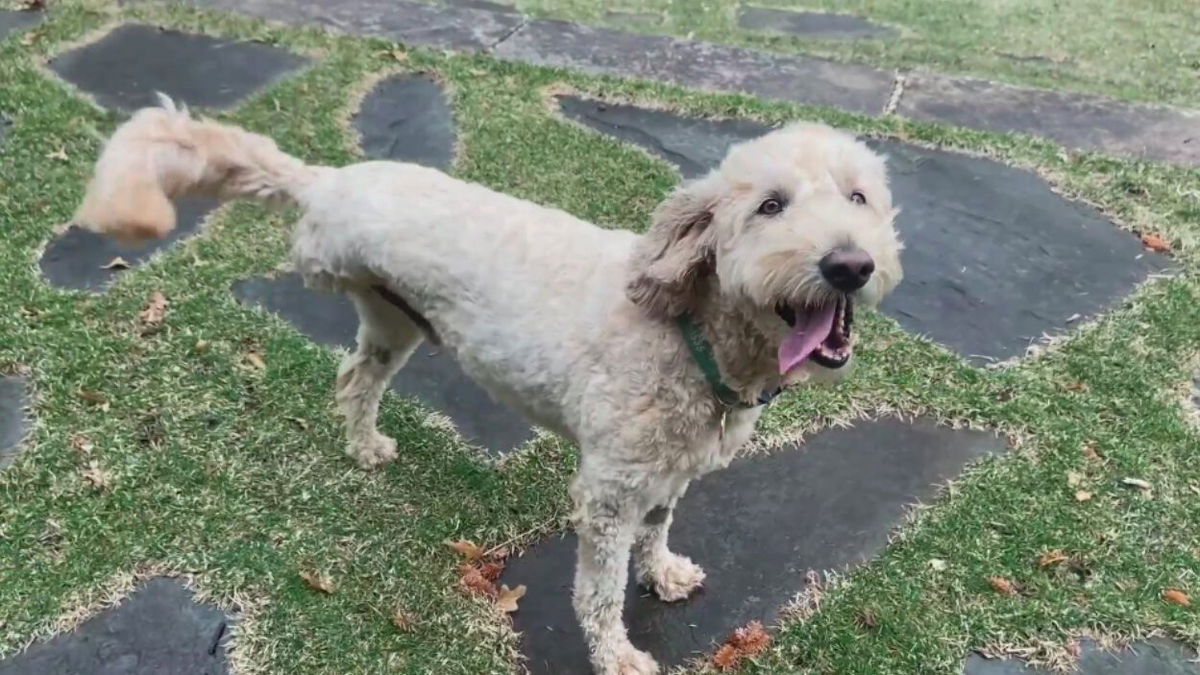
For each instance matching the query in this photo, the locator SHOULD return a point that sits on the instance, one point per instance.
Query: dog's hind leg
(386, 338)
(671, 576)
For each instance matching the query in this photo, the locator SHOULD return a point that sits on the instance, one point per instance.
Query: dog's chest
(720, 441)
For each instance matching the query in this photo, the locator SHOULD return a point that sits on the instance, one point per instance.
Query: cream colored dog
(651, 352)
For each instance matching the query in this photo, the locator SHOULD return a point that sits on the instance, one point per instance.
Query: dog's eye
(858, 197)
(770, 207)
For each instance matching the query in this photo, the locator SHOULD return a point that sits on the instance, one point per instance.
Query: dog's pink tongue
(810, 331)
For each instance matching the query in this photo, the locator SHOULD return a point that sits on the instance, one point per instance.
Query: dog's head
(795, 227)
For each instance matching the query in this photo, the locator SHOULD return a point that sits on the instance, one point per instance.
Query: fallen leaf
(1077, 387)
(1074, 478)
(95, 398)
(202, 346)
(255, 359)
(1002, 586)
(1082, 496)
(1089, 452)
(317, 581)
(1052, 558)
(402, 620)
(491, 570)
(937, 564)
(82, 444)
(156, 309)
(473, 581)
(1136, 482)
(469, 549)
(1155, 243)
(97, 477)
(117, 263)
(397, 55)
(507, 600)
(1177, 597)
(727, 657)
(59, 154)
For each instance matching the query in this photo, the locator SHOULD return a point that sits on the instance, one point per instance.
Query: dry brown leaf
(727, 657)
(1135, 482)
(117, 263)
(318, 581)
(402, 620)
(1082, 496)
(1002, 585)
(491, 570)
(1155, 243)
(82, 444)
(937, 564)
(1077, 387)
(1074, 478)
(155, 311)
(474, 583)
(1052, 558)
(467, 548)
(97, 477)
(508, 598)
(255, 359)
(1177, 597)
(1090, 453)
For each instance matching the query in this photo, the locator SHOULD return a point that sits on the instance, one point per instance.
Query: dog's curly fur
(567, 322)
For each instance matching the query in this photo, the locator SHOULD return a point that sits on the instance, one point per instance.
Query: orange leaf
(317, 581)
(1002, 586)
(1052, 558)
(507, 600)
(1177, 597)
(474, 583)
(727, 657)
(491, 571)
(1155, 243)
(751, 639)
(469, 549)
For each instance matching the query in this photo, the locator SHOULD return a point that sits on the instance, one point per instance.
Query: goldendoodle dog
(654, 353)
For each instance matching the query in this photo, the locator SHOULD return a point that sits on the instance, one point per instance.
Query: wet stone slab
(431, 376)
(407, 118)
(14, 417)
(1153, 657)
(756, 528)
(158, 629)
(80, 259)
(12, 21)
(810, 24)
(125, 68)
(988, 245)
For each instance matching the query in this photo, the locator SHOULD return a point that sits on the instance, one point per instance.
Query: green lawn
(236, 475)
(1139, 50)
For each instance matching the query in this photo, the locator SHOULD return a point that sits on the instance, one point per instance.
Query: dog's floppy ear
(674, 256)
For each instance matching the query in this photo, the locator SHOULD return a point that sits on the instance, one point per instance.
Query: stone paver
(414, 23)
(699, 64)
(1153, 657)
(757, 528)
(1086, 122)
(14, 417)
(431, 376)
(993, 258)
(158, 629)
(1074, 120)
(78, 258)
(125, 68)
(810, 24)
(12, 21)
(407, 118)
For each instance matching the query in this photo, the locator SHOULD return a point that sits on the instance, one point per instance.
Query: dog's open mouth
(820, 333)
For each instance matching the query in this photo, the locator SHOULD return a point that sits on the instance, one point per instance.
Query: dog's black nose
(847, 269)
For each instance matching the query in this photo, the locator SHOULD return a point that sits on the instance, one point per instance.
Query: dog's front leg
(605, 522)
(672, 577)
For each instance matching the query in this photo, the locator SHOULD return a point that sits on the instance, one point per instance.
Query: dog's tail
(163, 153)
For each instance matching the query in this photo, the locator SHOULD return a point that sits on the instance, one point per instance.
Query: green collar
(702, 354)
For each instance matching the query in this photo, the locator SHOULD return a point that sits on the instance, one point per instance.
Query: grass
(235, 475)
(1147, 51)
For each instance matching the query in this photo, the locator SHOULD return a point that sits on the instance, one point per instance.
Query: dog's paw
(674, 578)
(373, 452)
(625, 659)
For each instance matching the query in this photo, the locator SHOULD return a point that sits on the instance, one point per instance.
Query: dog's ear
(675, 255)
